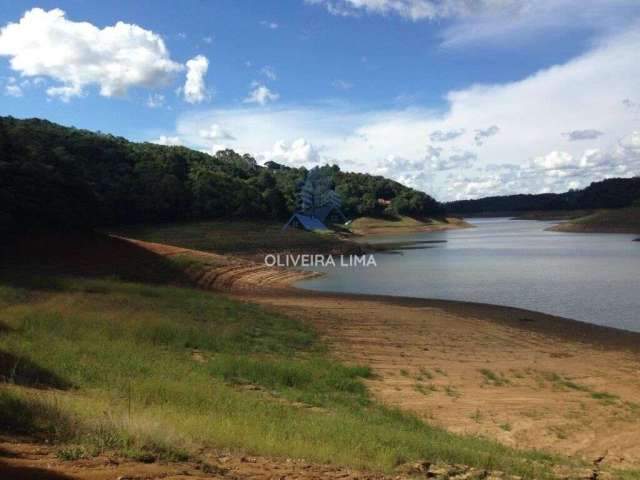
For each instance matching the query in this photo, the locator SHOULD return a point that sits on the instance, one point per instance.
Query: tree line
(609, 193)
(53, 176)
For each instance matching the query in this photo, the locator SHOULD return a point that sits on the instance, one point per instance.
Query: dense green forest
(609, 193)
(56, 176)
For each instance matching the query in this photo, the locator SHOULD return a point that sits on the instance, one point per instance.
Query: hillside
(58, 177)
(403, 225)
(622, 220)
(609, 193)
(198, 377)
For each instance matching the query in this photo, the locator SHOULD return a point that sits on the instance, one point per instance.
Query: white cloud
(194, 89)
(576, 135)
(341, 85)
(155, 100)
(416, 9)
(167, 141)
(261, 95)
(216, 133)
(469, 22)
(269, 72)
(456, 160)
(482, 134)
(299, 153)
(269, 25)
(79, 54)
(208, 39)
(445, 136)
(528, 154)
(12, 89)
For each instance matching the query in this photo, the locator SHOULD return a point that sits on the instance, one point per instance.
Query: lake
(585, 276)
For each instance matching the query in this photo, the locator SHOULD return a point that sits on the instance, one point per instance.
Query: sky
(458, 98)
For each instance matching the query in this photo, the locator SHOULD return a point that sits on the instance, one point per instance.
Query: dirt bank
(526, 379)
(620, 220)
(404, 225)
(588, 228)
(22, 460)
(227, 273)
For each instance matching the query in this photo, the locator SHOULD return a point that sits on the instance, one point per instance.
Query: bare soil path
(21, 460)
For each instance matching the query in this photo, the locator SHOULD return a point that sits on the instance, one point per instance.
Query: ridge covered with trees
(609, 193)
(53, 176)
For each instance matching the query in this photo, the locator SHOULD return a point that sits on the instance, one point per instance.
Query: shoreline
(376, 227)
(242, 277)
(570, 227)
(516, 317)
(523, 378)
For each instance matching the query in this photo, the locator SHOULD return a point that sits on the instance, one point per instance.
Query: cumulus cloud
(445, 135)
(436, 161)
(194, 89)
(588, 134)
(155, 100)
(413, 9)
(79, 54)
(482, 134)
(471, 22)
(12, 88)
(369, 140)
(167, 141)
(457, 160)
(299, 153)
(261, 94)
(556, 171)
(216, 133)
(269, 72)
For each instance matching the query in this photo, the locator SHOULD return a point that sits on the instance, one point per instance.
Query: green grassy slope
(621, 220)
(161, 371)
(237, 237)
(402, 224)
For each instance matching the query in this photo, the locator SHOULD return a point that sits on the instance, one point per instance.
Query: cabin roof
(309, 223)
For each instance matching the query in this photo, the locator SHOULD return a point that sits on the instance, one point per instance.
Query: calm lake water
(590, 277)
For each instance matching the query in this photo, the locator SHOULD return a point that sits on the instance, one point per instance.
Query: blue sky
(460, 98)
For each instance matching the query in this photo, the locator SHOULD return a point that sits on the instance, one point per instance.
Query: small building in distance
(316, 204)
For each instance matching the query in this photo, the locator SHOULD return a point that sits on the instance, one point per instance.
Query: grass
(237, 237)
(605, 398)
(159, 372)
(493, 378)
(623, 220)
(506, 426)
(367, 225)
(425, 389)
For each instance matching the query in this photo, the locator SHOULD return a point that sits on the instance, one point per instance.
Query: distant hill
(53, 176)
(619, 220)
(609, 193)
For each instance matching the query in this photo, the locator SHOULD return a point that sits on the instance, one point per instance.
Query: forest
(52, 176)
(609, 193)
